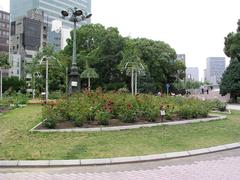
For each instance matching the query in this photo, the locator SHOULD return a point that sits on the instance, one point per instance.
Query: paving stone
(64, 163)
(33, 163)
(125, 159)
(95, 161)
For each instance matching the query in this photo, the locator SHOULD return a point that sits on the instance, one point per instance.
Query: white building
(192, 73)
(215, 69)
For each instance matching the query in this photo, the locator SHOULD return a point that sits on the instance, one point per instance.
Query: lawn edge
(117, 160)
(120, 128)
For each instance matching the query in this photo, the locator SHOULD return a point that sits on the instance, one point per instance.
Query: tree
(231, 80)
(4, 60)
(232, 45)
(89, 73)
(102, 48)
(33, 69)
(56, 71)
(133, 65)
(161, 61)
(13, 84)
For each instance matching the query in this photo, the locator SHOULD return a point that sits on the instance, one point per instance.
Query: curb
(121, 128)
(117, 160)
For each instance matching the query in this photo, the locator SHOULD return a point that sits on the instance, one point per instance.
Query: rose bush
(100, 108)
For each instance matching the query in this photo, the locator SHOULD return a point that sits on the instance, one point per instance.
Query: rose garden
(123, 84)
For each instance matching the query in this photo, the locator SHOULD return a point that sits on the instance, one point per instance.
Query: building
(192, 73)
(4, 31)
(204, 75)
(28, 35)
(52, 11)
(215, 69)
(182, 58)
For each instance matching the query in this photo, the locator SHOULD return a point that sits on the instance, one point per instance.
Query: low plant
(96, 107)
(102, 117)
(218, 105)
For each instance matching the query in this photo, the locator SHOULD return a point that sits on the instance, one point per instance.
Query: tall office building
(215, 69)
(52, 11)
(28, 35)
(192, 73)
(4, 31)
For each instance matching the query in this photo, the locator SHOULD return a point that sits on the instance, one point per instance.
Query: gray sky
(194, 27)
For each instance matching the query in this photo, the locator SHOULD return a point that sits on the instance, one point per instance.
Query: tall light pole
(77, 15)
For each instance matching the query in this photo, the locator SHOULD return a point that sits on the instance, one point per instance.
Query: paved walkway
(214, 94)
(222, 165)
(233, 106)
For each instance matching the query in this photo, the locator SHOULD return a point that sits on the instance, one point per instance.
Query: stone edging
(116, 160)
(119, 128)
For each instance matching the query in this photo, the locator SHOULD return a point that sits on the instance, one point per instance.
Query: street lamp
(77, 15)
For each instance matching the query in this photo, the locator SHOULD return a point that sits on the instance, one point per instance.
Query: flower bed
(91, 109)
(12, 102)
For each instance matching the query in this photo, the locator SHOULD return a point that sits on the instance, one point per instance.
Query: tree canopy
(104, 49)
(4, 60)
(230, 82)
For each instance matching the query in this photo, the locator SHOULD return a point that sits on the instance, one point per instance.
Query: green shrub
(51, 116)
(55, 95)
(238, 100)
(186, 112)
(102, 117)
(218, 105)
(96, 106)
(50, 123)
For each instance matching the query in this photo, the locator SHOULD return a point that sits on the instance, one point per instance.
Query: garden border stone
(116, 160)
(120, 128)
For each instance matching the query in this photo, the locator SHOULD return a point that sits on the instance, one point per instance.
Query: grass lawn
(16, 142)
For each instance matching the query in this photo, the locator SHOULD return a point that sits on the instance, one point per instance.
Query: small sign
(162, 113)
(74, 83)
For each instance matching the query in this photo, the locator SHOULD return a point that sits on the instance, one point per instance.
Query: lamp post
(77, 15)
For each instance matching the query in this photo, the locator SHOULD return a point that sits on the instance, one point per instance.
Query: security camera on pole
(77, 15)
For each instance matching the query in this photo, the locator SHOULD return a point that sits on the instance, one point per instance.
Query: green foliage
(89, 107)
(102, 117)
(55, 95)
(189, 84)
(89, 73)
(232, 45)
(12, 85)
(50, 117)
(216, 104)
(193, 109)
(114, 86)
(108, 52)
(230, 82)
(4, 60)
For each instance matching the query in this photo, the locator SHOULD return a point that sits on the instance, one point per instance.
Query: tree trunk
(136, 76)
(89, 84)
(132, 81)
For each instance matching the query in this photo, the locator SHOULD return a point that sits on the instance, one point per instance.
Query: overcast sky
(193, 27)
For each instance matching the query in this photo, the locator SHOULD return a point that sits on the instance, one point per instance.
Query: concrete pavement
(222, 165)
